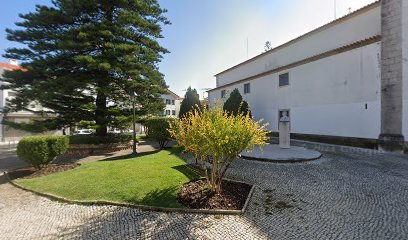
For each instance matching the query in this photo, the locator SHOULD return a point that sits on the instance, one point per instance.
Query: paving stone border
(274, 154)
(139, 206)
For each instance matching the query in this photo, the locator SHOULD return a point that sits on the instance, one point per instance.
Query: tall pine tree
(190, 102)
(84, 57)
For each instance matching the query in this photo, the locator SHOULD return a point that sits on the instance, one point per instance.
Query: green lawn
(150, 180)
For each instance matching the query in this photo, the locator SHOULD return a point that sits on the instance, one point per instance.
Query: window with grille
(284, 80)
(247, 88)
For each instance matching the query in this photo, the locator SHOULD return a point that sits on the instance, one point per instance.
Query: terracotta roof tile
(9, 66)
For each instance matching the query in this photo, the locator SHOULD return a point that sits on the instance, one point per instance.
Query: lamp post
(133, 96)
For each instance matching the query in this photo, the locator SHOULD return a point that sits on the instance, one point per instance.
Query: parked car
(84, 132)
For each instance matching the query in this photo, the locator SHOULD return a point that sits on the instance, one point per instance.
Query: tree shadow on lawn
(129, 156)
(166, 197)
(172, 151)
(189, 172)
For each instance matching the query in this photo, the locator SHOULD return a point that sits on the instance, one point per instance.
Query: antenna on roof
(247, 48)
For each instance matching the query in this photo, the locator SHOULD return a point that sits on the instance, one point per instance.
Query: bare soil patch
(197, 195)
(31, 172)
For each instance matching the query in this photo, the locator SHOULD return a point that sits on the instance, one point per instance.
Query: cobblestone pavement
(340, 196)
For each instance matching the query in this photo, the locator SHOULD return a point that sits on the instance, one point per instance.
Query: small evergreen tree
(235, 104)
(190, 102)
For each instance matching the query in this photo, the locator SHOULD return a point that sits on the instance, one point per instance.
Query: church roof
(330, 24)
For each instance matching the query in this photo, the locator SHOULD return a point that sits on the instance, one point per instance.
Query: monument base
(391, 142)
(284, 135)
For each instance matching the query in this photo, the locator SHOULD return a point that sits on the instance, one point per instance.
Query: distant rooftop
(10, 66)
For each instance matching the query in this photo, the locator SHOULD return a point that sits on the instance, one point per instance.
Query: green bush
(41, 150)
(157, 130)
(235, 104)
(93, 139)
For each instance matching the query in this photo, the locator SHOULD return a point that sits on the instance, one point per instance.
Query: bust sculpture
(285, 117)
(284, 130)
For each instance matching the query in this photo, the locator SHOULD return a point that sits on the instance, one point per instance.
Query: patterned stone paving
(355, 195)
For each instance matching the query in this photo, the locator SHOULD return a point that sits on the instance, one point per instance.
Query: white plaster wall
(405, 69)
(325, 97)
(360, 27)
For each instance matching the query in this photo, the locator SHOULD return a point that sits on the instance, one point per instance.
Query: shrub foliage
(217, 137)
(157, 130)
(41, 150)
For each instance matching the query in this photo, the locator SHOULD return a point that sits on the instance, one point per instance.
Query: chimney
(13, 62)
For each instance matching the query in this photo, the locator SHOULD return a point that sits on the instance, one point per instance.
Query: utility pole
(133, 96)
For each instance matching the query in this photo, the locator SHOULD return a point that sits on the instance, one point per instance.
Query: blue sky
(209, 36)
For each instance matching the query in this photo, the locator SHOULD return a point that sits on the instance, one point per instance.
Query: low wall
(344, 141)
(84, 150)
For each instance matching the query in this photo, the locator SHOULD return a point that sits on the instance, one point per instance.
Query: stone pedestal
(284, 134)
(391, 143)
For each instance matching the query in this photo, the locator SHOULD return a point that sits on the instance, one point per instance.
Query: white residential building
(173, 102)
(347, 79)
(7, 133)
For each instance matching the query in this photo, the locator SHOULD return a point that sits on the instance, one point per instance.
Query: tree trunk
(101, 114)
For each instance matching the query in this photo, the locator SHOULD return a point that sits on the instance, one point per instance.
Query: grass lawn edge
(142, 207)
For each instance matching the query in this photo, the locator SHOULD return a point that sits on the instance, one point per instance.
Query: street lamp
(133, 96)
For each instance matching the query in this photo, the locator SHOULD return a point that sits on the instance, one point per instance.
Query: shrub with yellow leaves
(216, 137)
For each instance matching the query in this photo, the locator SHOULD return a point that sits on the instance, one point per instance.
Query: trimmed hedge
(41, 150)
(157, 130)
(92, 139)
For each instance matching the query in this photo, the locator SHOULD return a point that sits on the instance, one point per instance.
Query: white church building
(347, 80)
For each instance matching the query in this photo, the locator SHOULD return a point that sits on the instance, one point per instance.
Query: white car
(84, 132)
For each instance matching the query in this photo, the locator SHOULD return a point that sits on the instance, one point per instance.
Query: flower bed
(196, 195)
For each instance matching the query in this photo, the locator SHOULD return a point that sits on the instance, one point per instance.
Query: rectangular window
(173, 102)
(11, 94)
(247, 88)
(284, 80)
(167, 112)
(173, 112)
(223, 94)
